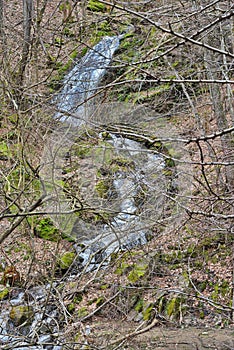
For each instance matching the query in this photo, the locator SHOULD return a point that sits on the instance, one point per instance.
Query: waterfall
(131, 204)
(82, 81)
(137, 182)
(128, 227)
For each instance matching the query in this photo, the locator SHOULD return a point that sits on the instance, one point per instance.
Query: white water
(82, 82)
(127, 228)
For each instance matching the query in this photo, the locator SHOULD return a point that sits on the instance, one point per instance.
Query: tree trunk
(215, 65)
(2, 34)
(27, 23)
(1, 19)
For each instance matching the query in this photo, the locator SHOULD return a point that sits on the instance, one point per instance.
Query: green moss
(139, 305)
(66, 260)
(45, 229)
(221, 289)
(68, 32)
(60, 68)
(21, 314)
(202, 286)
(71, 307)
(78, 298)
(4, 293)
(147, 312)
(96, 6)
(167, 172)
(121, 164)
(121, 268)
(149, 94)
(128, 49)
(82, 312)
(64, 6)
(92, 301)
(169, 162)
(174, 307)
(4, 150)
(13, 118)
(215, 293)
(161, 304)
(225, 288)
(73, 55)
(100, 301)
(173, 257)
(55, 83)
(58, 42)
(106, 135)
(20, 175)
(103, 153)
(139, 270)
(103, 188)
(81, 150)
(104, 286)
(104, 28)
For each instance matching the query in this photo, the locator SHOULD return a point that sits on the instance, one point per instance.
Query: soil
(103, 336)
(185, 339)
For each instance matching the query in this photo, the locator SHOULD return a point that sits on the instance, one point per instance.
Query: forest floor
(176, 292)
(160, 337)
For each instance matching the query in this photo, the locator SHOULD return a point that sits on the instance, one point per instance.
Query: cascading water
(82, 81)
(126, 228)
(129, 222)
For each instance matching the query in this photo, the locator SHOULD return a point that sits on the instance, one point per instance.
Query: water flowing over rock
(119, 179)
(117, 176)
(130, 225)
(82, 81)
(29, 319)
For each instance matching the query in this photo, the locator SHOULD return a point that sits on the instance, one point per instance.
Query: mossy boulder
(21, 314)
(4, 293)
(82, 312)
(174, 307)
(138, 272)
(147, 312)
(45, 229)
(103, 188)
(96, 6)
(66, 260)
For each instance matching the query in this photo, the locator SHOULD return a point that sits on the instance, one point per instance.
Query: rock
(175, 306)
(21, 314)
(66, 260)
(139, 271)
(46, 230)
(4, 293)
(95, 6)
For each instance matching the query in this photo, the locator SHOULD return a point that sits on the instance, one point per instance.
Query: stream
(123, 166)
(132, 200)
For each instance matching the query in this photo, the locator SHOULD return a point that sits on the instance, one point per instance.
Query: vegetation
(168, 95)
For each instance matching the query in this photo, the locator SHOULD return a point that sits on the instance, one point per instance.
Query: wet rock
(4, 293)
(21, 314)
(66, 260)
